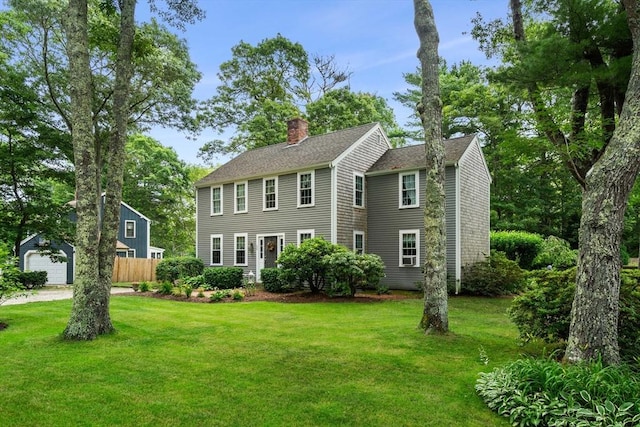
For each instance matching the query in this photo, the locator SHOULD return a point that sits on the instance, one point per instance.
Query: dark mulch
(292, 297)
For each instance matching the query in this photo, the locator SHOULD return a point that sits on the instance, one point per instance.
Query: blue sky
(374, 39)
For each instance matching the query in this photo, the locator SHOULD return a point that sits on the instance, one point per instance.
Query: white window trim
(364, 245)
(133, 251)
(417, 180)
(417, 233)
(355, 205)
(309, 231)
(246, 249)
(235, 197)
(264, 201)
(125, 229)
(313, 188)
(221, 200)
(216, 236)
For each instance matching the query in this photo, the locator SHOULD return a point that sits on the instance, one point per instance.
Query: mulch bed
(292, 297)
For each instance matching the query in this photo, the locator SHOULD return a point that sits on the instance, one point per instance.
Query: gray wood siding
(287, 219)
(474, 207)
(360, 159)
(385, 222)
(450, 195)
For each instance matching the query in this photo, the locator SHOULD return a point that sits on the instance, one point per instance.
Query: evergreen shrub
(519, 246)
(172, 269)
(273, 281)
(494, 276)
(544, 310)
(557, 253)
(222, 277)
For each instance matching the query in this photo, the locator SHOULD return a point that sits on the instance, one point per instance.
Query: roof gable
(314, 151)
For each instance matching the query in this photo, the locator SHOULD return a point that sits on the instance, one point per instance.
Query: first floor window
(409, 248)
(241, 249)
(216, 250)
(358, 242)
(305, 235)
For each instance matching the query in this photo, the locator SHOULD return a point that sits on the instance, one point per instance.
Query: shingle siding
(474, 206)
(451, 217)
(360, 159)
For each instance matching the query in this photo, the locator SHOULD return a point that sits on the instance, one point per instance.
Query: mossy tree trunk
(435, 317)
(594, 315)
(96, 232)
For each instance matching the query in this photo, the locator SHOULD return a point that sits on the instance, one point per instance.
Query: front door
(270, 251)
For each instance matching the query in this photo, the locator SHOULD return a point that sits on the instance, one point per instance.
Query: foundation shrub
(172, 269)
(222, 277)
(494, 276)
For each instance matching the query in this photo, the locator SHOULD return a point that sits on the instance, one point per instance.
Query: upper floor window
(409, 190)
(130, 229)
(240, 249)
(270, 193)
(216, 249)
(216, 200)
(305, 235)
(409, 248)
(358, 190)
(240, 201)
(358, 242)
(305, 188)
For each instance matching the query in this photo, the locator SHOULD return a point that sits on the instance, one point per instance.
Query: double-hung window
(240, 249)
(305, 235)
(409, 248)
(216, 200)
(240, 201)
(216, 249)
(358, 190)
(306, 188)
(358, 242)
(270, 193)
(409, 190)
(130, 229)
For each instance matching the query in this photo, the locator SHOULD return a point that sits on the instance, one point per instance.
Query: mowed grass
(252, 364)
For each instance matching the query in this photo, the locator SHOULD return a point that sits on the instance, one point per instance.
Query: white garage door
(56, 271)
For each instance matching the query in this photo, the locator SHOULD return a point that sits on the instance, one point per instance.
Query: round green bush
(494, 276)
(519, 246)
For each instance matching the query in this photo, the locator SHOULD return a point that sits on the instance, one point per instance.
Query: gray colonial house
(350, 187)
(134, 241)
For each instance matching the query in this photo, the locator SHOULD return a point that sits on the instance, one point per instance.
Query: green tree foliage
(34, 160)
(556, 253)
(531, 190)
(305, 264)
(158, 184)
(265, 85)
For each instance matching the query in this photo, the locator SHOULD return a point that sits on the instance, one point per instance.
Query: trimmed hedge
(273, 280)
(544, 310)
(26, 279)
(519, 246)
(172, 269)
(222, 277)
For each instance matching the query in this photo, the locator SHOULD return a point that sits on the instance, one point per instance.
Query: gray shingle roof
(276, 159)
(413, 156)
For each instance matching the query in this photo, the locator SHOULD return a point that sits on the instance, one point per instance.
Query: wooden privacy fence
(134, 269)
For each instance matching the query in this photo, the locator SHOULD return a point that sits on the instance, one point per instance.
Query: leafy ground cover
(253, 363)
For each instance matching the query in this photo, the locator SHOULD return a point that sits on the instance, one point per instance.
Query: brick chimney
(297, 130)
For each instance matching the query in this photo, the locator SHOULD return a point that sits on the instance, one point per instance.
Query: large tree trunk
(435, 313)
(89, 316)
(115, 154)
(594, 315)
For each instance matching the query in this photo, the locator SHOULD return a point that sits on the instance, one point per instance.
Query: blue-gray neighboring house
(352, 188)
(133, 242)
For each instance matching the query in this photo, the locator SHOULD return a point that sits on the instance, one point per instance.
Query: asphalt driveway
(52, 294)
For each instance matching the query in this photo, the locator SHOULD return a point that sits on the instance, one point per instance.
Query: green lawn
(252, 364)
